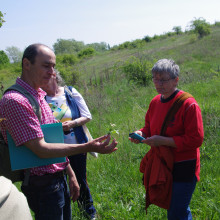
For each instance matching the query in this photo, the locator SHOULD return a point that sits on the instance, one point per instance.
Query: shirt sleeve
(83, 108)
(193, 129)
(22, 123)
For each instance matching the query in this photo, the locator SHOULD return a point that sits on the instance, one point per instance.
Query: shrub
(138, 71)
(193, 38)
(137, 44)
(67, 59)
(88, 52)
(125, 45)
(69, 74)
(3, 58)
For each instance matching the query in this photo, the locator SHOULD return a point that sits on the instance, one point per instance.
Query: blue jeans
(51, 202)
(181, 196)
(85, 201)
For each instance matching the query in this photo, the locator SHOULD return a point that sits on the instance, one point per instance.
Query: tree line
(70, 51)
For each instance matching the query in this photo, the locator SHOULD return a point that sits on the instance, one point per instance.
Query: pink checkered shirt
(23, 124)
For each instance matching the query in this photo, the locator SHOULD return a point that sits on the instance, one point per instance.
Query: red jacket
(158, 161)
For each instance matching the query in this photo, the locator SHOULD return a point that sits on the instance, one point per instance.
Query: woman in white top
(69, 107)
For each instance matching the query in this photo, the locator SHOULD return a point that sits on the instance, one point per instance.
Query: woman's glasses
(162, 81)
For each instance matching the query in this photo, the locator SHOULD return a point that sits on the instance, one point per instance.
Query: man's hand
(97, 145)
(74, 188)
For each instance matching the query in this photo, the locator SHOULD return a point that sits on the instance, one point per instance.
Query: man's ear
(26, 64)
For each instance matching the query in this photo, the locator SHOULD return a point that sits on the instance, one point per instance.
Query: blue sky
(90, 21)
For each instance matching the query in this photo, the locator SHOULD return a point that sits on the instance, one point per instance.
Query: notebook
(22, 158)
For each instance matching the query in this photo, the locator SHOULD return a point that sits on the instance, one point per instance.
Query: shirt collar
(37, 93)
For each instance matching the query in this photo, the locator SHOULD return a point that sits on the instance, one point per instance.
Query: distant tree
(1, 19)
(177, 30)
(100, 47)
(147, 38)
(68, 46)
(3, 58)
(200, 27)
(14, 54)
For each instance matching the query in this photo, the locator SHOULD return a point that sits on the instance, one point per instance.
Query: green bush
(138, 71)
(66, 59)
(69, 74)
(3, 58)
(125, 45)
(137, 44)
(88, 52)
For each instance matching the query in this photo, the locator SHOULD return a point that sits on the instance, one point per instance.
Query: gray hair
(166, 66)
(60, 80)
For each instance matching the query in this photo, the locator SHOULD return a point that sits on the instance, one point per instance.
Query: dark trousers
(85, 202)
(50, 201)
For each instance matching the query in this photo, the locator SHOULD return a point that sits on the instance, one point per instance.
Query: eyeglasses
(163, 81)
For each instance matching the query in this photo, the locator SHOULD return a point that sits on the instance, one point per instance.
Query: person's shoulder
(74, 91)
(156, 98)
(14, 96)
(190, 102)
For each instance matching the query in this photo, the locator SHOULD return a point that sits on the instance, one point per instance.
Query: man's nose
(52, 71)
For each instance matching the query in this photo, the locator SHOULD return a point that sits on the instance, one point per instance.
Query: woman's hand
(157, 140)
(135, 140)
(67, 125)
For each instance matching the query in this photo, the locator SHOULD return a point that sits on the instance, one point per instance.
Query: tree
(1, 19)
(68, 46)
(200, 27)
(177, 30)
(14, 54)
(147, 38)
(3, 58)
(100, 47)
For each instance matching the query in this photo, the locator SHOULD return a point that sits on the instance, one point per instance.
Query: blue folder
(22, 157)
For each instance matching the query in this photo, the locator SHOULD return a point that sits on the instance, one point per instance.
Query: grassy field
(115, 181)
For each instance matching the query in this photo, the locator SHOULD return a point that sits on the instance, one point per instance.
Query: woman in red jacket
(184, 135)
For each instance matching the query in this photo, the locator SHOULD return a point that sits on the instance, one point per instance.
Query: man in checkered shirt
(47, 191)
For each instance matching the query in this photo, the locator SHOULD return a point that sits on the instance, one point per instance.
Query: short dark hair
(31, 52)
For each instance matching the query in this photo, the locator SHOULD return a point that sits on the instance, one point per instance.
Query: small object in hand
(136, 136)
